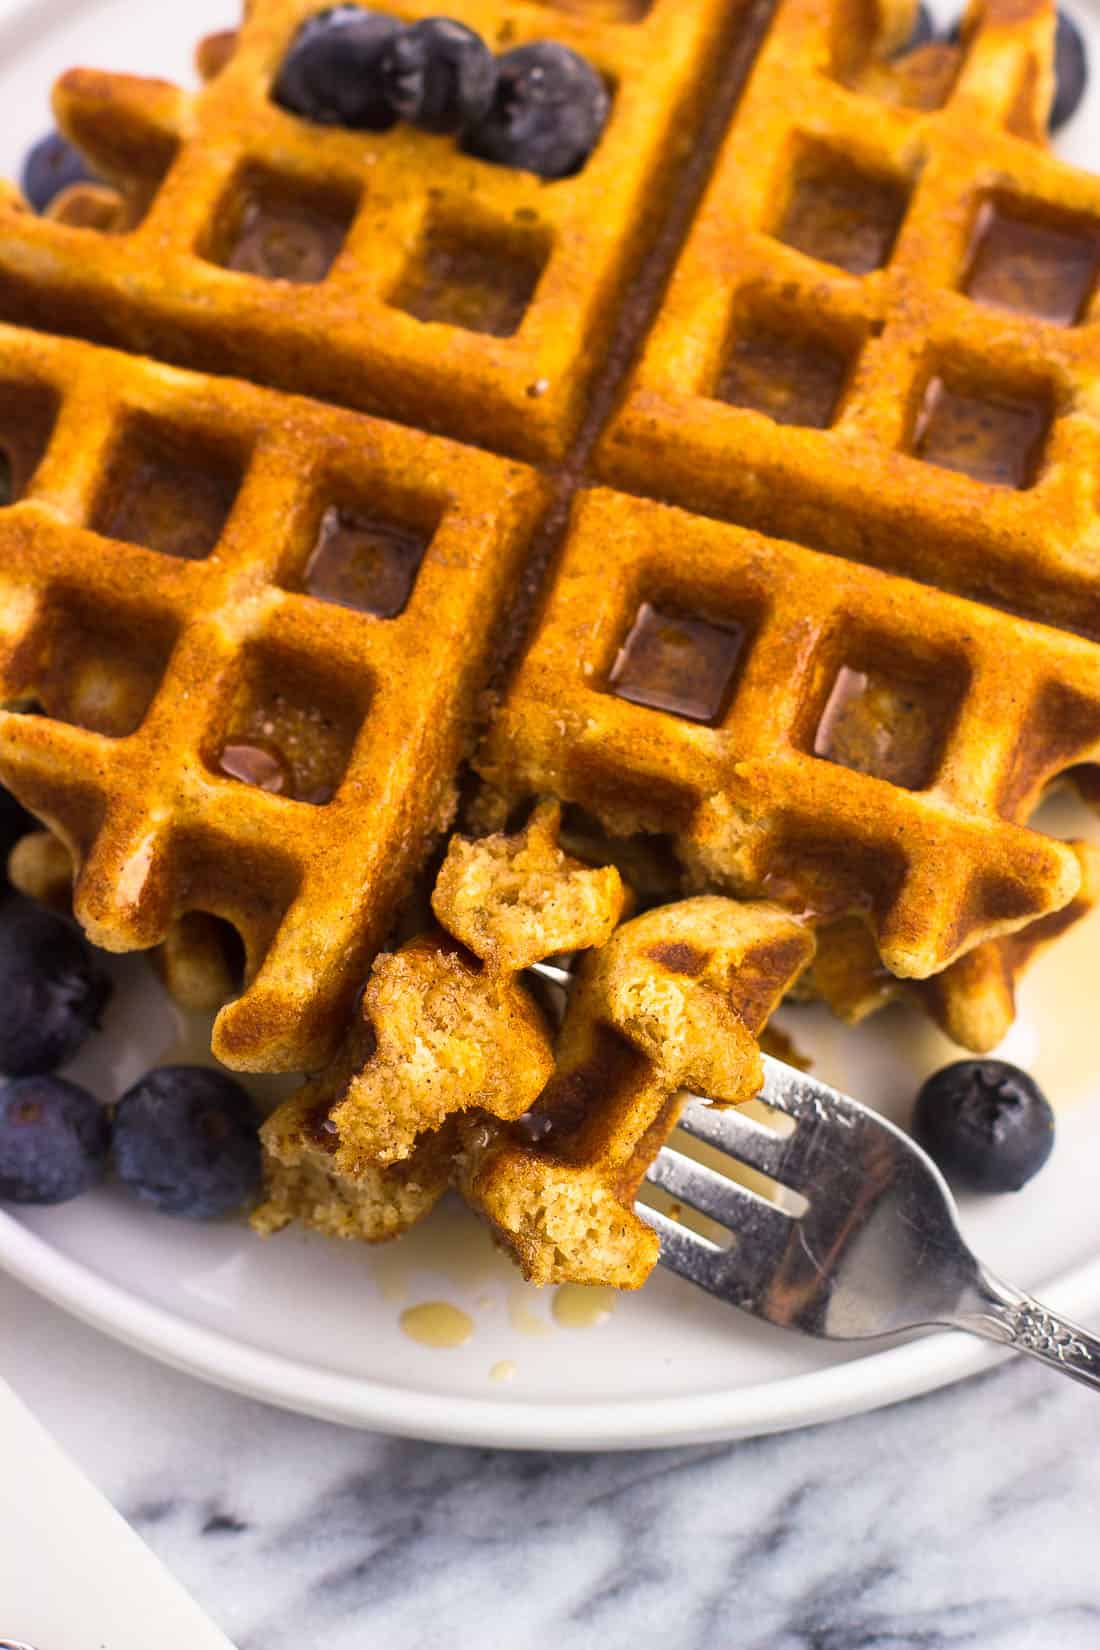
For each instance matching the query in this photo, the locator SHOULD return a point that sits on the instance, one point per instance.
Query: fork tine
(675, 1238)
(730, 1131)
(737, 1274)
(711, 1193)
(806, 1098)
(694, 1257)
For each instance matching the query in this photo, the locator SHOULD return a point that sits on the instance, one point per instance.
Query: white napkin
(73, 1575)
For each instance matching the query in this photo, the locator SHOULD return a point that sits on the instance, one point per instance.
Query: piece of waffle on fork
(446, 1032)
(675, 1000)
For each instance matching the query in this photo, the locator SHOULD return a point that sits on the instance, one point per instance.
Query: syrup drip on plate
(438, 1324)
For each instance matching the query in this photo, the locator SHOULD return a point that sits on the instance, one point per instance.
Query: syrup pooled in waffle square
(882, 336)
(388, 271)
(252, 631)
(828, 734)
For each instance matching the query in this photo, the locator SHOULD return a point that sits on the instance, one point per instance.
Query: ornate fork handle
(1016, 1320)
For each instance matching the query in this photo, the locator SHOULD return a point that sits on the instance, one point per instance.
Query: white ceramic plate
(316, 1327)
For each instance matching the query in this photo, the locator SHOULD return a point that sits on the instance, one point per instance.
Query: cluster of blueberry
(1071, 69)
(539, 107)
(184, 1138)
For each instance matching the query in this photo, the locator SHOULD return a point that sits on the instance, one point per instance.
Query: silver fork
(876, 1251)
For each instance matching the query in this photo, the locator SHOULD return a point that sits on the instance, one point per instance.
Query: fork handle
(1013, 1319)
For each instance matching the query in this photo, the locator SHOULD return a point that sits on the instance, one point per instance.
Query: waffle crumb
(515, 900)
(377, 1203)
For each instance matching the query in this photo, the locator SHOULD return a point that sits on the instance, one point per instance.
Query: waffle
(886, 317)
(445, 1030)
(197, 961)
(518, 281)
(516, 900)
(174, 601)
(449, 1072)
(973, 1002)
(866, 346)
(674, 1001)
(374, 1205)
(694, 688)
(868, 729)
(881, 340)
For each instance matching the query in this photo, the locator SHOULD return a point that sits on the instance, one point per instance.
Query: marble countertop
(968, 1518)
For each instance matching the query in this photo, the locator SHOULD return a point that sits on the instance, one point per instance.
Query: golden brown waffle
(375, 1133)
(444, 1030)
(516, 900)
(804, 726)
(172, 601)
(883, 333)
(879, 340)
(973, 1001)
(518, 280)
(694, 687)
(880, 743)
(376, 1203)
(673, 1001)
(198, 960)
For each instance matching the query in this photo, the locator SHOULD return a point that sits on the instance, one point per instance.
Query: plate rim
(907, 1370)
(871, 1381)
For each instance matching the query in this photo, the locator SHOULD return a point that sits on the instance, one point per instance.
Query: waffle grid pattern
(867, 485)
(154, 659)
(934, 870)
(402, 208)
(834, 236)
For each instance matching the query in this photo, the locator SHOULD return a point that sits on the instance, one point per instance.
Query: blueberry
(52, 989)
(51, 166)
(924, 31)
(53, 1140)
(986, 1124)
(187, 1141)
(547, 114)
(332, 72)
(439, 74)
(1071, 71)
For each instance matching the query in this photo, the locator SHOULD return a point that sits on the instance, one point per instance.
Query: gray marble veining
(965, 1519)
